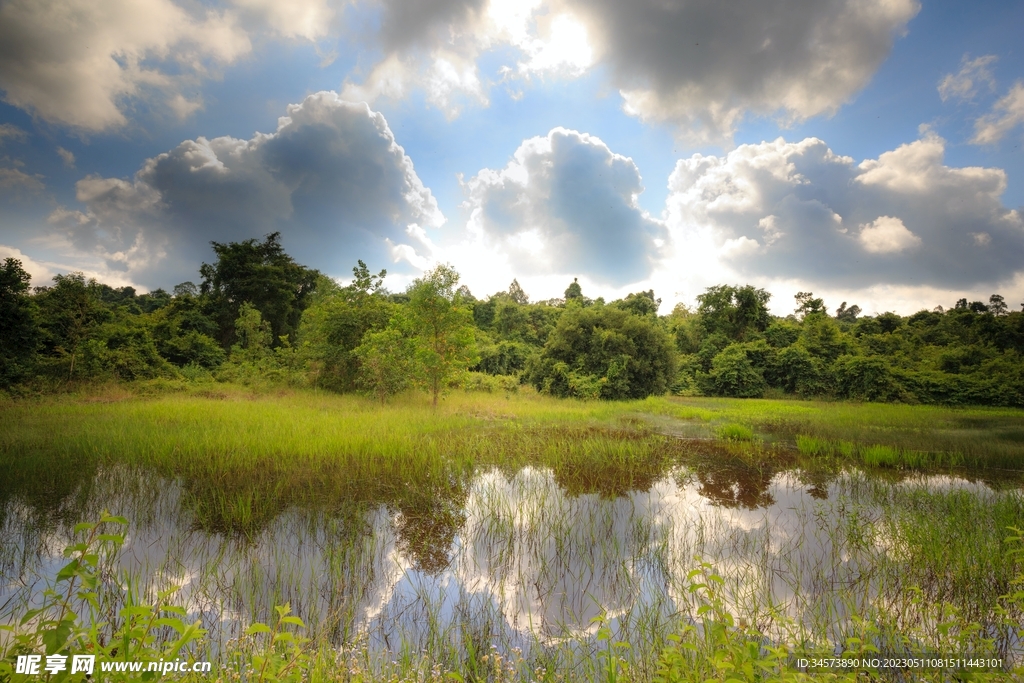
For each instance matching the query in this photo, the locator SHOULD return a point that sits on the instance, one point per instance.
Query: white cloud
(435, 46)
(798, 212)
(565, 204)
(964, 84)
(309, 19)
(42, 270)
(700, 65)
(331, 178)
(887, 235)
(77, 62)
(703, 65)
(15, 180)
(66, 156)
(9, 131)
(1007, 114)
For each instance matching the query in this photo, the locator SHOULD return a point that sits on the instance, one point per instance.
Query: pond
(532, 563)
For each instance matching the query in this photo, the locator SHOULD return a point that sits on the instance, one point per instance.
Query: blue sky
(866, 150)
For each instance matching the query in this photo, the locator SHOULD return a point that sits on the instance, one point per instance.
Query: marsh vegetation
(514, 536)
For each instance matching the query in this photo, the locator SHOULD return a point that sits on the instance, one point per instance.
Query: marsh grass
(735, 432)
(250, 466)
(923, 437)
(243, 458)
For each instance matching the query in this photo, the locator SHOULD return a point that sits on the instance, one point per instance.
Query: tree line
(257, 316)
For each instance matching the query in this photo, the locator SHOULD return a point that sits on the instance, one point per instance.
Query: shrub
(732, 374)
(604, 352)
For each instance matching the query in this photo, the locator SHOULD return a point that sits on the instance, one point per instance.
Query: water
(520, 560)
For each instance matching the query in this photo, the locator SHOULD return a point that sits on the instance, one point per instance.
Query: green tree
(262, 274)
(574, 291)
(807, 304)
(184, 333)
(640, 303)
(385, 362)
(516, 293)
(997, 305)
(737, 312)
(849, 315)
(19, 333)
(253, 334)
(442, 328)
(70, 312)
(606, 352)
(733, 374)
(336, 321)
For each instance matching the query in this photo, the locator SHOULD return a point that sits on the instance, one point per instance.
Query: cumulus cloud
(309, 19)
(888, 235)
(435, 46)
(331, 178)
(699, 65)
(566, 204)
(78, 62)
(702, 65)
(798, 211)
(1007, 114)
(964, 84)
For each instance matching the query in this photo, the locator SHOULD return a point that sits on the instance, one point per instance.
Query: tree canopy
(260, 317)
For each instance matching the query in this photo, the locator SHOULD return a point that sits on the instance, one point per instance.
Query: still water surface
(525, 562)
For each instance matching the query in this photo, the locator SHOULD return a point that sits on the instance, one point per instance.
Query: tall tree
(262, 274)
(516, 293)
(70, 312)
(336, 321)
(19, 334)
(574, 291)
(384, 363)
(441, 326)
(604, 352)
(736, 312)
(807, 304)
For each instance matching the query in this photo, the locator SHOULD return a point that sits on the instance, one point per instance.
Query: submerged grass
(921, 436)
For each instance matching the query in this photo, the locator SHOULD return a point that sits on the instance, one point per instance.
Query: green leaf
(29, 614)
(257, 628)
(68, 571)
(177, 624)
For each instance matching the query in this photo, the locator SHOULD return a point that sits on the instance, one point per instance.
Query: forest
(258, 317)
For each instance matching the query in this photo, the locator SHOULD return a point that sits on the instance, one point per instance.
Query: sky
(869, 151)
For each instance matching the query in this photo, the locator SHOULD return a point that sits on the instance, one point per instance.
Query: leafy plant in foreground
(71, 618)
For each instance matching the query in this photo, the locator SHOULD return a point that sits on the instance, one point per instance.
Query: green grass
(242, 459)
(735, 432)
(923, 436)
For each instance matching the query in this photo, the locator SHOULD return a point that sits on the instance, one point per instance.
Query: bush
(504, 358)
(866, 378)
(604, 352)
(490, 384)
(732, 374)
